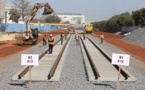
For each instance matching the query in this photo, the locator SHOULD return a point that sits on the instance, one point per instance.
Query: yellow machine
(31, 35)
(89, 28)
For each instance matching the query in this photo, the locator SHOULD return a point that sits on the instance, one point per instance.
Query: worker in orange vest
(51, 43)
(102, 38)
(77, 39)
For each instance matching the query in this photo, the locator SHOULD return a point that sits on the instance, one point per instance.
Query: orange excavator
(31, 35)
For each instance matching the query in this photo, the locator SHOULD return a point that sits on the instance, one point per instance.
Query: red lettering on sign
(29, 61)
(120, 61)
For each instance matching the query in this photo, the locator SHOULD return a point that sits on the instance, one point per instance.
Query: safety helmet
(51, 35)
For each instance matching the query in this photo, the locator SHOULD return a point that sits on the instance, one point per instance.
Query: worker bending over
(51, 43)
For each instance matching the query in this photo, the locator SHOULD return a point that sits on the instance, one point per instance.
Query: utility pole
(5, 21)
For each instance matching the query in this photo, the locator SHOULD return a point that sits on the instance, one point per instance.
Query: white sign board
(29, 59)
(120, 59)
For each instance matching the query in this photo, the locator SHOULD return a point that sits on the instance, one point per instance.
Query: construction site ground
(10, 47)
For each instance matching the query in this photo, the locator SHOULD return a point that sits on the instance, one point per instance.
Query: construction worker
(77, 39)
(44, 40)
(84, 35)
(65, 34)
(102, 38)
(51, 43)
(61, 36)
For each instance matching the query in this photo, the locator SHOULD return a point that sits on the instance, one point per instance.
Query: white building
(7, 10)
(6, 18)
(72, 18)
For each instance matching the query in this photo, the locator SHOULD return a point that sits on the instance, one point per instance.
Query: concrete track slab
(40, 72)
(106, 70)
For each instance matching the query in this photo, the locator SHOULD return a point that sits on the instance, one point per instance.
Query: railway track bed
(102, 64)
(46, 64)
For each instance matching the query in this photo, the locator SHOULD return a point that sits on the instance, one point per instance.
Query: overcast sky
(94, 10)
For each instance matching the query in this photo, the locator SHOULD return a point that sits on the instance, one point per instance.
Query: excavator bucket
(47, 9)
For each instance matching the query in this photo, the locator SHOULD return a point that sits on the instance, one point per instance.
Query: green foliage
(139, 17)
(52, 19)
(66, 22)
(22, 6)
(35, 20)
(14, 15)
(115, 23)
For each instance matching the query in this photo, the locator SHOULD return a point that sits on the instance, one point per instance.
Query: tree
(14, 15)
(66, 22)
(139, 17)
(52, 19)
(22, 6)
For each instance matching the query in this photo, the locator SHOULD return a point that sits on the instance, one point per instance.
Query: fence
(22, 27)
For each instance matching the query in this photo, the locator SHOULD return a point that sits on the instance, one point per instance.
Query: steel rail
(40, 56)
(123, 72)
(53, 69)
(95, 71)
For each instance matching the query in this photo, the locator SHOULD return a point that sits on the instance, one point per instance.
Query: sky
(93, 10)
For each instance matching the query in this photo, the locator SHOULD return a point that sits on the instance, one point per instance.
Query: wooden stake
(118, 78)
(30, 77)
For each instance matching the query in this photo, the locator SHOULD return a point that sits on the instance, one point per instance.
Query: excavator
(31, 35)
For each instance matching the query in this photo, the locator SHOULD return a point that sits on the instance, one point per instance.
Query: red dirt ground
(133, 49)
(11, 47)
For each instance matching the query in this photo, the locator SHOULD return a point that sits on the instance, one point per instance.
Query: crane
(32, 34)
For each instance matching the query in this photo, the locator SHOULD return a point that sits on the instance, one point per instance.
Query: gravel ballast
(73, 77)
(137, 36)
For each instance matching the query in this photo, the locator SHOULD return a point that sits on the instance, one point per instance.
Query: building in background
(72, 18)
(2, 10)
(7, 10)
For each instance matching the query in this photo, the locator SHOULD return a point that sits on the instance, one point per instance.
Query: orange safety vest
(77, 37)
(62, 35)
(102, 36)
(51, 41)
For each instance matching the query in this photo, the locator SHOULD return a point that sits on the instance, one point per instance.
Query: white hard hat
(50, 34)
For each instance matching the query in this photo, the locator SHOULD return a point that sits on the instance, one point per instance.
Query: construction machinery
(31, 35)
(89, 28)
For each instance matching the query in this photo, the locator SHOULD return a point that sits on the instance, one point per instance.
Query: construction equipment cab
(89, 28)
